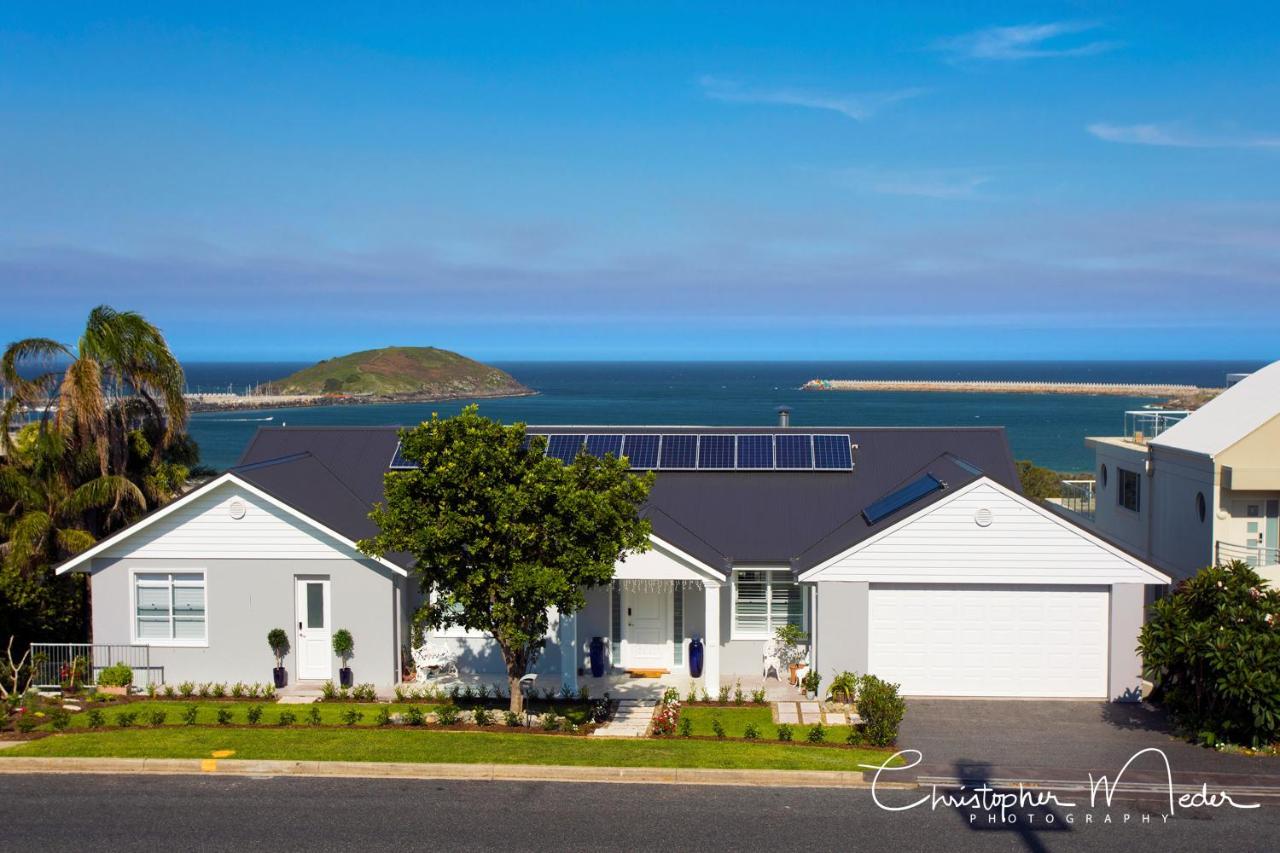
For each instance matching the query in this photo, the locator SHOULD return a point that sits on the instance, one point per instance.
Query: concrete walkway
(809, 713)
(632, 719)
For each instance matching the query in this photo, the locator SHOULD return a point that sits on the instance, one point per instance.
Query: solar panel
(907, 495)
(679, 451)
(641, 450)
(399, 463)
(832, 452)
(600, 445)
(794, 452)
(565, 447)
(755, 452)
(716, 451)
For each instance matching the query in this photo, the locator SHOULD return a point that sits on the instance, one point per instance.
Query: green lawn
(207, 713)
(301, 743)
(735, 721)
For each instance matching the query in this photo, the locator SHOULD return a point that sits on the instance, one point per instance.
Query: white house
(1184, 492)
(907, 552)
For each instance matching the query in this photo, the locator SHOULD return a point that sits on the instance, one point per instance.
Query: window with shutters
(169, 609)
(763, 601)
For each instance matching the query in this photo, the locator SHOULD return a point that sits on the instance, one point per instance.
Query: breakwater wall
(1117, 389)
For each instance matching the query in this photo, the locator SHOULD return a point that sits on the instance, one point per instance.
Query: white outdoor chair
(432, 661)
(773, 659)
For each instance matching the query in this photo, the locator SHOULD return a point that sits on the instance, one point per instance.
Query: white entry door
(646, 632)
(1025, 641)
(315, 630)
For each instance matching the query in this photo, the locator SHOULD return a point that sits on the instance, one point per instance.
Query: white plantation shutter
(170, 606)
(765, 600)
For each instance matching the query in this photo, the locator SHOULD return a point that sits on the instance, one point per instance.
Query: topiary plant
(1212, 651)
(278, 640)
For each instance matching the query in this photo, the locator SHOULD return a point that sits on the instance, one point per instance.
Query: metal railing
(54, 663)
(1254, 555)
(1080, 497)
(1142, 425)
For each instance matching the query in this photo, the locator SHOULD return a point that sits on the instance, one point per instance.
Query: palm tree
(119, 355)
(44, 504)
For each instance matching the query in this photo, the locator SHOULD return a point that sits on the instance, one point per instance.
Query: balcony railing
(1079, 496)
(1255, 555)
(1143, 425)
(54, 663)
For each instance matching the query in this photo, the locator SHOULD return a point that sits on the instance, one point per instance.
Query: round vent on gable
(236, 508)
(983, 517)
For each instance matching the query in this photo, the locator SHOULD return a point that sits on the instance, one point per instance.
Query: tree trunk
(517, 661)
(517, 698)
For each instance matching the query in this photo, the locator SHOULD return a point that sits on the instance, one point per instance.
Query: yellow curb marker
(208, 765)
(223, 753)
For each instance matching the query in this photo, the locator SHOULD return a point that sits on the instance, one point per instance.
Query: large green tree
(500, 532)
(111, 444)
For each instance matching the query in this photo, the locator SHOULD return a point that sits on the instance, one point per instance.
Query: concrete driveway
(1058, 740)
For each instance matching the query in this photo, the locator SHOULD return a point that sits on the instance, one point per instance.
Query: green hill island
(401, 374)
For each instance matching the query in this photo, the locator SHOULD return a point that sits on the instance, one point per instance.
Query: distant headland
(386, 375)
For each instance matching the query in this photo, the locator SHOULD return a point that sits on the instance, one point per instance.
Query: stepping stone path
(297, 699)
(808, 713)
(632, 719)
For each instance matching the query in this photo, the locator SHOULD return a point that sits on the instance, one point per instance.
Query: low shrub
(455, 692)
(328, 691)
(125, 719)
(402, 695)
(151, 691)
(666, 718)
(169, 692)
(447, 715)
(96, 719)
(383, 717)
(224, 716)
(882, 710)
(855, 737)
(59, 718)
(1212, 651)
(217, 691)
(670, 696)
(364, 693)
(118, 675)
(268, 691)
(186, 689)
(751, 732)
(157, 718)
(759, 697)
(584, 694)
(204, 690)
(350, 716)
(313, 715)
(27, 723)
(254, 691)
(253, 714)
(601, 709)
(238, 690)
(287, 718)
(724, 693)
(738, 696)
(692, 695)
(414, 716)
(512, 719)
(189, 715)
(817, 734)
(686, 727)
(481, 717)
(344, 694)
(550, 722)
(784, 732)
(717, 727)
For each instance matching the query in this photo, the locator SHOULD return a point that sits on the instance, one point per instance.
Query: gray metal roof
(723, 518)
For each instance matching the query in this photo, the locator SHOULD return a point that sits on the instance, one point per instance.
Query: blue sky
(977, 180)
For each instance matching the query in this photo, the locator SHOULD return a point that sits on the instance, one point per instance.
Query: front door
(315, 631)
(1249, 516)
(646, 633)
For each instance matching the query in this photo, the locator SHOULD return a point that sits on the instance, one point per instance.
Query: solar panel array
(791, 451)
(903, 497)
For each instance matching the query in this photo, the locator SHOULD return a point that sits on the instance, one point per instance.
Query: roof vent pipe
(784, 416)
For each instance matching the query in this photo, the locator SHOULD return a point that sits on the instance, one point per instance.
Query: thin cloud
(1171, 136)
(1027, 41)
(858, 106)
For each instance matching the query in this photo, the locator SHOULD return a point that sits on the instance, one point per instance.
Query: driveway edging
(478, 772)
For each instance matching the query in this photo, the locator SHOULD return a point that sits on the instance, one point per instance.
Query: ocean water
(1046, 428)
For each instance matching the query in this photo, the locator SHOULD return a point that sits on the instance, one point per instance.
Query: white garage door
(945, 640)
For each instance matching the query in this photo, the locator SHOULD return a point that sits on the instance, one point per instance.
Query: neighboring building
(907, 552)
(1183, 490)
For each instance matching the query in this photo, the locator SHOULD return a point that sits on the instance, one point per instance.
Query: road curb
(474, 772)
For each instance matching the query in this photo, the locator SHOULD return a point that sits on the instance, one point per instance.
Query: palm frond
(28, 539)
(72, 540)
(112, 492)
(30, 349)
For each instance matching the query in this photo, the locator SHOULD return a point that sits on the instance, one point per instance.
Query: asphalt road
(152, 813)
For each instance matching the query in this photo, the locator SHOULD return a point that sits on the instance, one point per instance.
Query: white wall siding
(1022, 544)
(205, 528)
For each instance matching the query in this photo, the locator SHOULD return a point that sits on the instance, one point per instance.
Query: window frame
(1121, 475)
(170, 641)
(737, 634)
